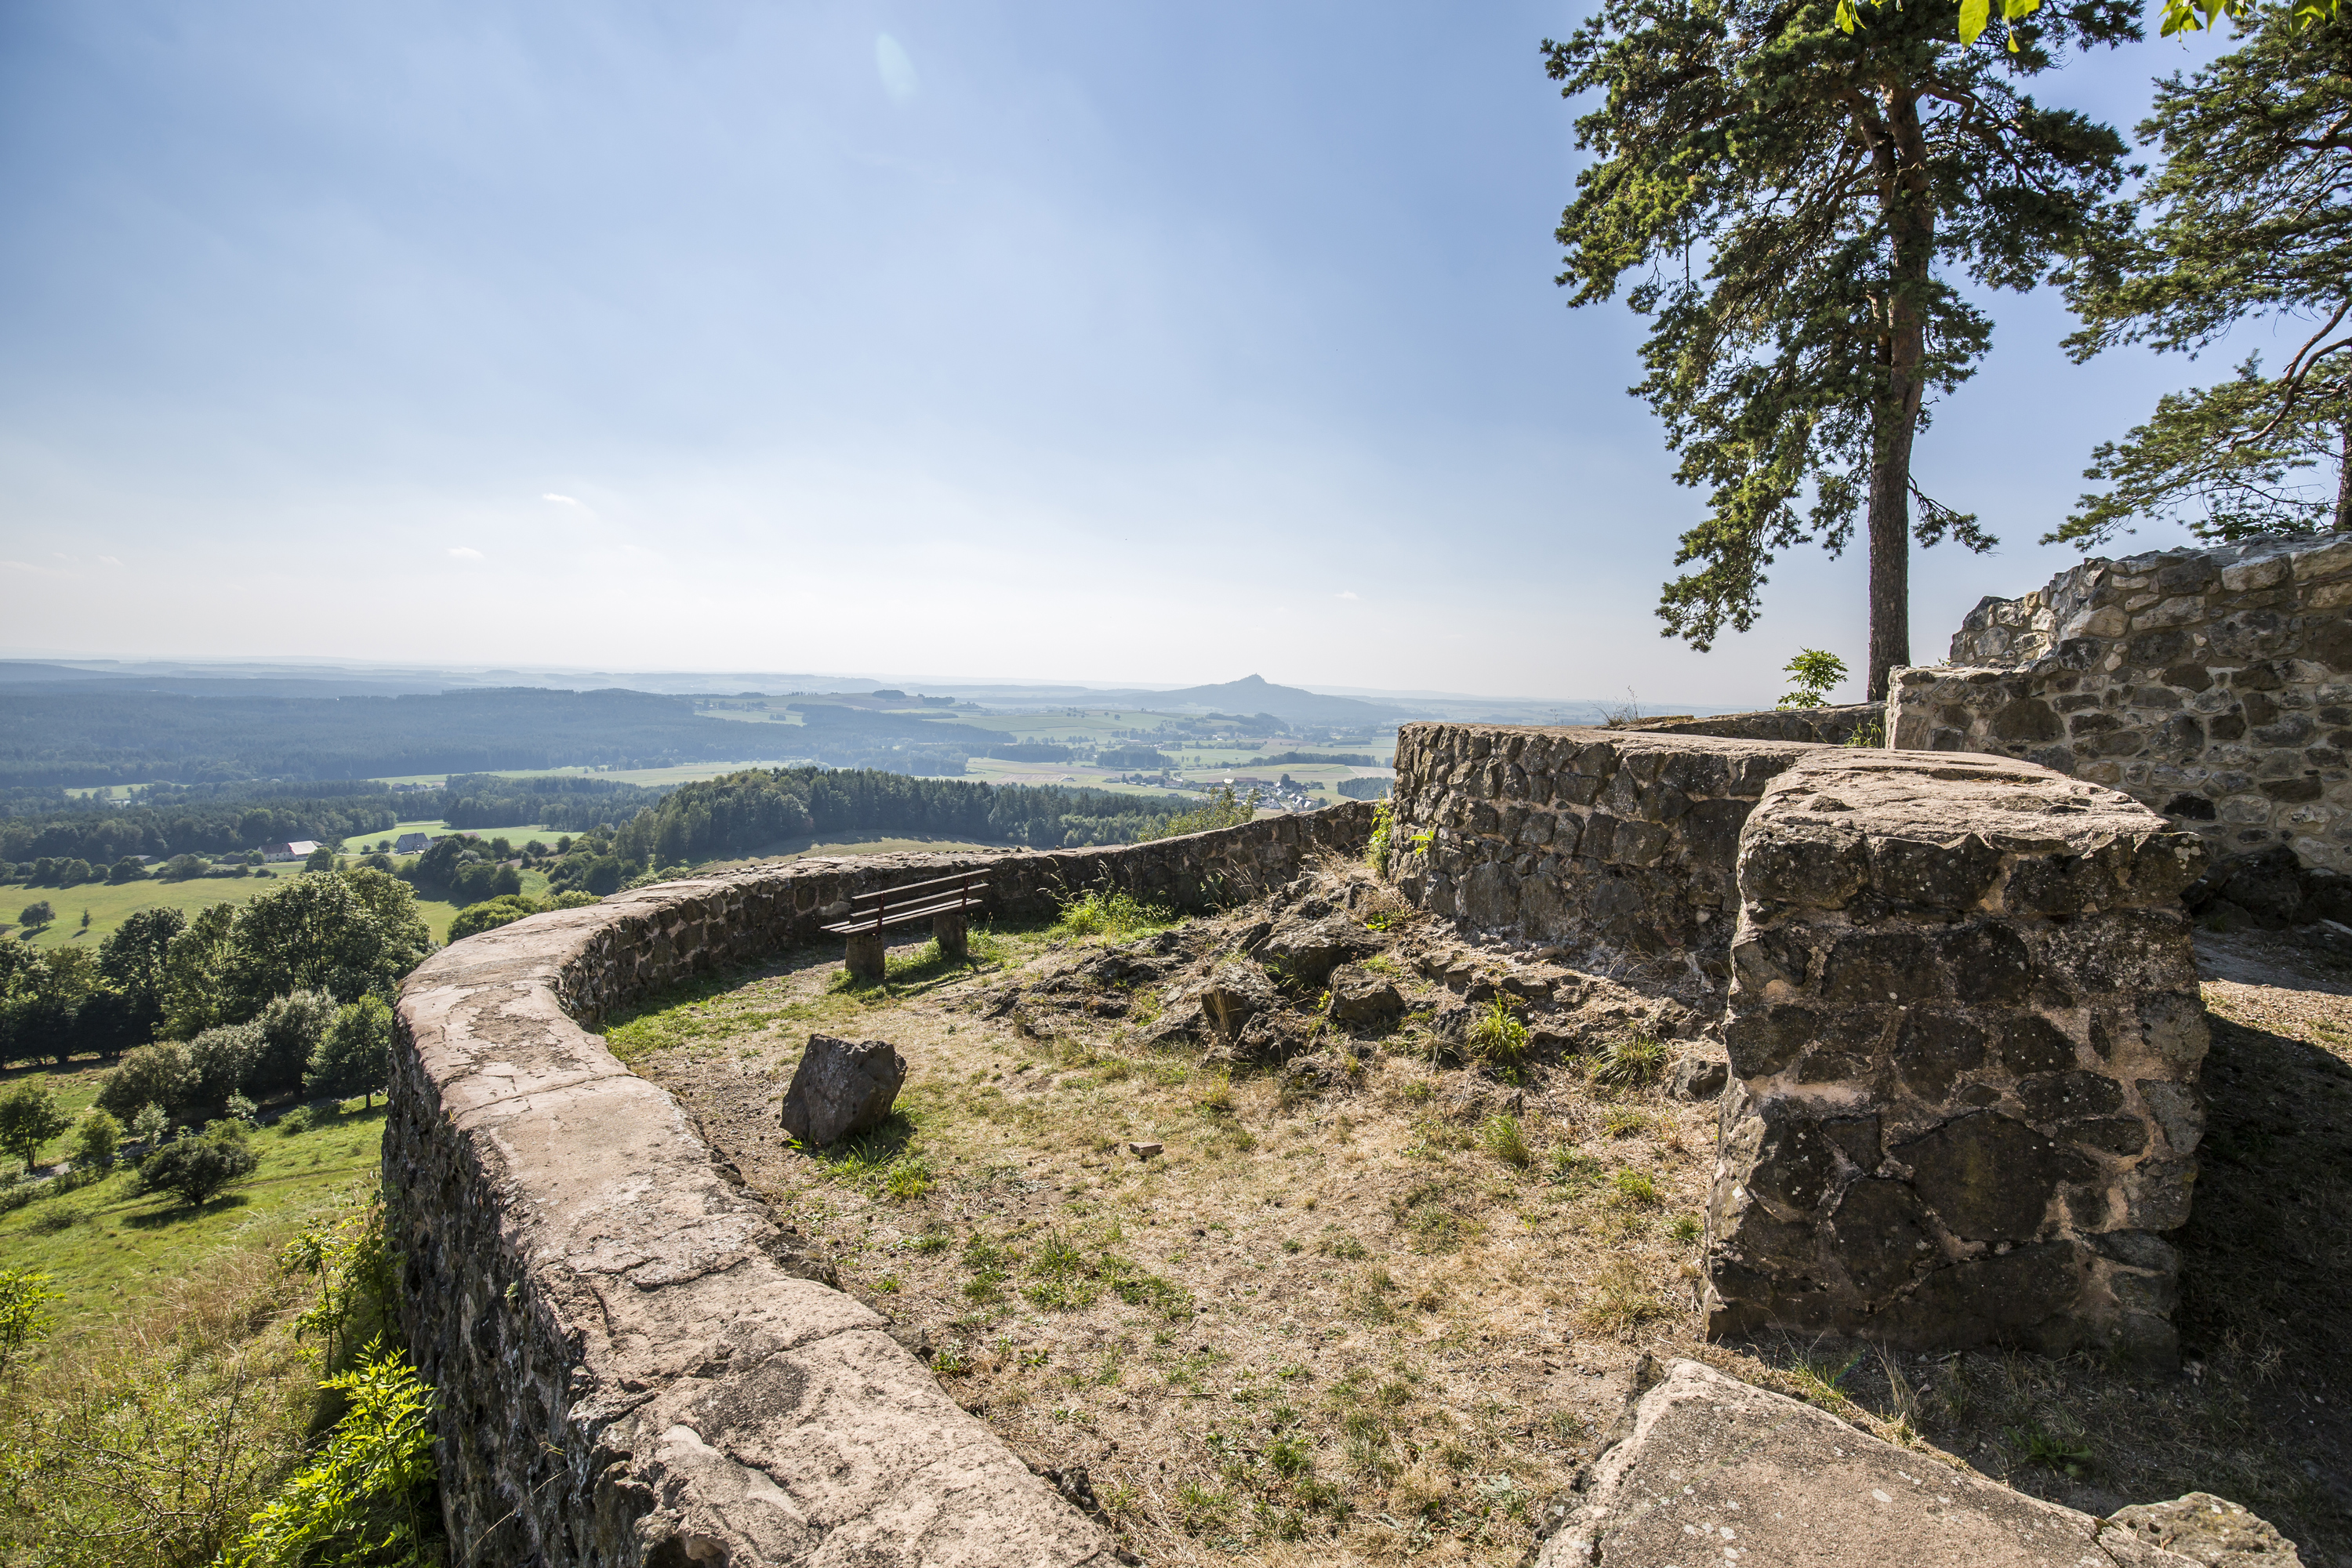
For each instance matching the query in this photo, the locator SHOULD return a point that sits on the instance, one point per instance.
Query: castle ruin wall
(2212, 685)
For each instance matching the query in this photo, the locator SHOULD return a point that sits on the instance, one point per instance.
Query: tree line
(341, 936)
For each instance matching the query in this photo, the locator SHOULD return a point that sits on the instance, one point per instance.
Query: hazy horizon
(1154, 343)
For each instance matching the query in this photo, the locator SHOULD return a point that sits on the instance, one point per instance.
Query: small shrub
(98, 1139)
(2067, 1456)
(1629, 1061)
(358, 1499)
(1376, 851)
(1497, 1036)
(24, 1319)
(197, 1170)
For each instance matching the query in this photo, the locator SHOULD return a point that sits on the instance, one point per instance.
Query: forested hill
(72, 736)
(212, 819)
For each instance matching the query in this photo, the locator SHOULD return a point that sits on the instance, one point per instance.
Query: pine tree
(2252, 221)
(1799, 199)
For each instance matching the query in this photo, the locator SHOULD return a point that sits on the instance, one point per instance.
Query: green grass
(365, 843)
(110, 906)
(111, 1252)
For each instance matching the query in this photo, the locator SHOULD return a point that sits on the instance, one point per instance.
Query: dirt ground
(1378, 1304)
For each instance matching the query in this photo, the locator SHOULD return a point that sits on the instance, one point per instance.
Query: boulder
(1704, 1466)
(1359, 996)
(2209, 1530)
(1236, 992)
(1700, 1077)
(840, 1087)
(1313, 949)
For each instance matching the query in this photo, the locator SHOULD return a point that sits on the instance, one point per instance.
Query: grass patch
(1117, 915)
(1630, 1061)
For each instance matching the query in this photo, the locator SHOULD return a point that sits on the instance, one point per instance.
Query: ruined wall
(633, 1367)
(1610, 841)
(1965, 1033)
(2214, 686)
(1813, 726)
(1958, 1000)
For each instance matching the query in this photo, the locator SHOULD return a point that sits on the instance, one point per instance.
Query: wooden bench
(946, 901)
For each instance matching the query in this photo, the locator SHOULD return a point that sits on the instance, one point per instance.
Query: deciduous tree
(1798, 201)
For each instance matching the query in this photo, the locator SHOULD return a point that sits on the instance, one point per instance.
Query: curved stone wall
(632, 1369)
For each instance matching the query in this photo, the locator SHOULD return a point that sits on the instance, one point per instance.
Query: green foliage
(351, 1258)
(354, 1505)
(97, 1140)
(154, 1076)
(1629, 1061)
(29, 1117)
(1376, 850)
(40, 912)
(149, 1123)
(1504, 1140)
(505, 909)
(25, 1318)
(292, 1027)
(1118, 914)
(1833, 186)
(221, 1061)
(1223, 808)
(355, 1057)
(197, 1170)
(2252, 222)
(1816, 672)
(1497, 1035)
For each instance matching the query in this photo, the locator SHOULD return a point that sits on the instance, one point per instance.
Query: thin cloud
(466, 552)
(1344, 594)
(109, 561)
(897, 71)
(564, 500)
(29, 566)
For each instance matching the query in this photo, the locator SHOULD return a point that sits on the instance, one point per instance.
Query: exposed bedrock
(1965, 1033)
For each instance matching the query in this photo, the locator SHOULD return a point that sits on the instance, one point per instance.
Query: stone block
(1940, 1007)
(1705, 1469)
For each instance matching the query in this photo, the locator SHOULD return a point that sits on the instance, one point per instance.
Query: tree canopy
(1796, 198)
(2251, 218)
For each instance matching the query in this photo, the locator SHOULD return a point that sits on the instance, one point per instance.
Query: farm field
(110, 906)
(364, 843)
(108, 1251)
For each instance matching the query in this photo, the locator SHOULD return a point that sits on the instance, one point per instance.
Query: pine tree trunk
(2344, 479)
(1900, 158)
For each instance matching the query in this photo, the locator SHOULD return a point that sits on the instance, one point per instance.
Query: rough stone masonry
(2214, 686)
(1957, 992)
(1965, 1033)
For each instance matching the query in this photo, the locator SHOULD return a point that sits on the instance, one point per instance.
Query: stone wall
(1957, 994)
(1615, 842)
(1814, 726)
(2214, 686)
(633, 1366)
(1965, 1033)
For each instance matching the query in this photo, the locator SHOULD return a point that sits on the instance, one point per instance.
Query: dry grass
(1378, 1321)
(1386, 1321)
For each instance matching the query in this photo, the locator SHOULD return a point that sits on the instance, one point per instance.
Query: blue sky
(1141, 343)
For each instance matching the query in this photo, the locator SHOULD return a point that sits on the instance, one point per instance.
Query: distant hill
(1254, 694)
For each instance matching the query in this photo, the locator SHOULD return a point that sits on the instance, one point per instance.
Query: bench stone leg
(949, 932)
(865, 958)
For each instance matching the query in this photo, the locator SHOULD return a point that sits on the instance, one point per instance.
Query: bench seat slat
(927, 889)
(856, 923)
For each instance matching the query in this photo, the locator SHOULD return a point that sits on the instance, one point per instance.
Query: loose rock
(841, 1087)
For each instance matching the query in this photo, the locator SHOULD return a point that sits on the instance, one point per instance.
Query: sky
(1146, 344)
